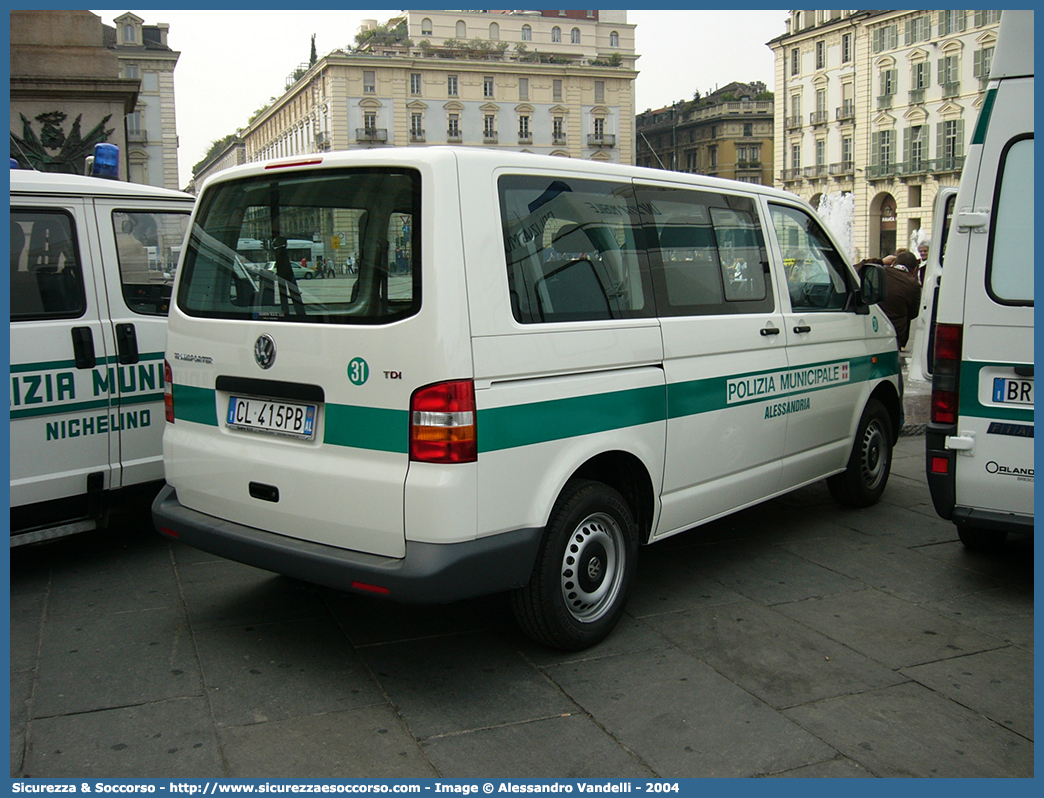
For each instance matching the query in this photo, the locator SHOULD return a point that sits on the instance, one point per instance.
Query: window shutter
(958, 149)
(875, 149)
(940, 139)
(977, 62)
(909, 32)
(907, 135)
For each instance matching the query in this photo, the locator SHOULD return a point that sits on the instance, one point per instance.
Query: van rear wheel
(863, 481)
(579, 584)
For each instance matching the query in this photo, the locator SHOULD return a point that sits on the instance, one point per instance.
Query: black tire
(583, 571)
(976, 538)
(863, 481)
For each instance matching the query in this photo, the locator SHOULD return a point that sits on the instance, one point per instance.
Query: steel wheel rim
(592, 567)
(874, 455)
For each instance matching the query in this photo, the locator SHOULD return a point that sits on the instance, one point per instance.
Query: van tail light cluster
(168, 392)
(946, 373)
(442, 423)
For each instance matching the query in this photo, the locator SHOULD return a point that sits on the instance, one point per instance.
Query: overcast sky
(233, 62)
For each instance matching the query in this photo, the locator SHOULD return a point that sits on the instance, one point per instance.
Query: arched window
(574, 36)
(614, 39)
(462, 29)
(494, 30)
(425, 27)
(556, 34)
(128, 34)
(527, 33)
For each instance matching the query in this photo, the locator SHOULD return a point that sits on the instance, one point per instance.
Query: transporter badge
(265, 351)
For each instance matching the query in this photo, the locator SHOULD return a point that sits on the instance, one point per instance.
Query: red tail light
(168, 392)
(442, 423)
(947, 373)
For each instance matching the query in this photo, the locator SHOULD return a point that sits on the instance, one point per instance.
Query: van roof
(486, 159)
(25, 181)
(1013, 57)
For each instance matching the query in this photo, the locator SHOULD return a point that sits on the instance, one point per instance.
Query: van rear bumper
(430, 573)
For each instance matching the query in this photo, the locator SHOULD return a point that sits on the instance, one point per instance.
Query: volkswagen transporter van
(538, 365)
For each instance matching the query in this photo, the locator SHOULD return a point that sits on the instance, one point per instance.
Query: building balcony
(138, 137)
(881, 171)
(818, 118)
(559, 140)
(322, 141)
(792, 122)
(748, 164)
(789, 175)
(884, 101)
(489, 137)
(951, 164)
(815, 172)
(917, 96)
(417, 136)
(378, 134)
(919, 166)
(602, 140)
(846, 113)
(525, 138)
(952, 89)
(454, 137)
(842, 169)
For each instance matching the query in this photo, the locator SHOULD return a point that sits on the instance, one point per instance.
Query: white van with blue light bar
(980, 436)
(92, 263)
(535, 366)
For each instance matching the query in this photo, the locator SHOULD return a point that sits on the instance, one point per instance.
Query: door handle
(126, 344)
(802, 328)
(770, 331)
(83, 347)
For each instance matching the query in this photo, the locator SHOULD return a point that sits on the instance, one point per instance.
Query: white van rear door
(139, 242)
(60, 407)
(996, 382)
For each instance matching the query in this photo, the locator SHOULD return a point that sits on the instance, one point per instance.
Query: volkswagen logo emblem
(265, 351)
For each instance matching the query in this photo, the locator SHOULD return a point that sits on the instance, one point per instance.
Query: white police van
(980, 437)
(90, 290)
(539, 364)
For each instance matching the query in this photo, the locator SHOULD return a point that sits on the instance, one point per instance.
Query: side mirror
(873, 285)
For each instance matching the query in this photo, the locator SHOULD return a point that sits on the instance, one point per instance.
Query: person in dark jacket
(902, 300)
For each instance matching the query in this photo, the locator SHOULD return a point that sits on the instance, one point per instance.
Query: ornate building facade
(879, 104)
(558, 83)
(726, 134)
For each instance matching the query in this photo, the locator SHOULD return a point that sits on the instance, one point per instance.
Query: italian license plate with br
(273, 417)
(1013, 391)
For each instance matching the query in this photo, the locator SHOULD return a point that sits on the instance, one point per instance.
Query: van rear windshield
(322, 246)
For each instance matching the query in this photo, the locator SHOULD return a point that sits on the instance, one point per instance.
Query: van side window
(816, 274)
(46, 277)
(1009, 265)
(572, 250)
(148, 244)
(707, 252)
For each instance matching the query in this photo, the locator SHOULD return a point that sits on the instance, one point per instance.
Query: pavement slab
(683, 719)
(569, 746)
(365, 743)
(909, 731)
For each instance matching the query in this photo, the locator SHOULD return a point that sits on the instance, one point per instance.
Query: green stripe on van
(387, 430)
(54, 365)
(539, 422)
(376, 428)
(979, 136)
(195, 404)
